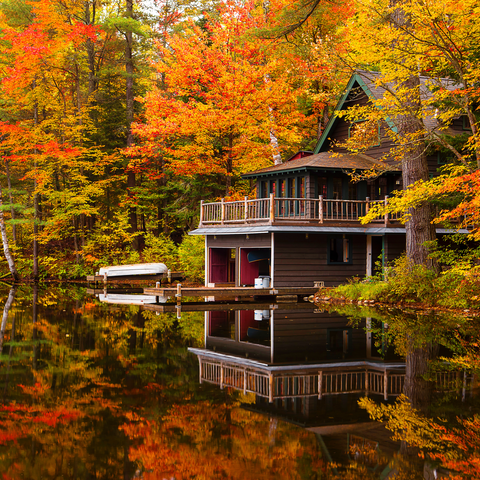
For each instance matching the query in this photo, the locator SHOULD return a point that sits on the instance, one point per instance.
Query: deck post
(367, 205)
(200, 370)
(223, 211)
(272, 208)
(385, 385)
(245, 217)
(221, 375)
(386, 213)
(367, 382)
(201, 213)
(320, 384)
(245, 381)
(320, 208)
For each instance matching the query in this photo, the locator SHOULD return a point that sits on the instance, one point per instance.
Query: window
(273, 187)
(263, 190)
(322, 188)
(339, 249)
(337, 188)
(301, 194)
(445, 157)
(301, 187)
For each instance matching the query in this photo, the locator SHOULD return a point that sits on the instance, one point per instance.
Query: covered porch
(290, 211)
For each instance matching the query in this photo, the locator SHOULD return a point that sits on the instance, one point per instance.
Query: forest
(117, 117)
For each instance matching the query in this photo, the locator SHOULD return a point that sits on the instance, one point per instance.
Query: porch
(292, 211)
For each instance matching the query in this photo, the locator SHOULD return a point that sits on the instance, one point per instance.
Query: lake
(93, 388)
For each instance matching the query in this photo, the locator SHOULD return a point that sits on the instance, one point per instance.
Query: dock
(230, 292)
(137, 278)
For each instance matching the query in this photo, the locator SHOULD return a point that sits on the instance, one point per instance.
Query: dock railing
(273, 210)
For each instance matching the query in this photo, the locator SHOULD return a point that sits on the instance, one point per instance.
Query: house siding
(300, 261)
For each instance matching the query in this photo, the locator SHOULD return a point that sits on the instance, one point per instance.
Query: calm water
(95, 390)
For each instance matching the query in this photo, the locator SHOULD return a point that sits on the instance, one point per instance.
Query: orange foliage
(221, 94)
(204, 441)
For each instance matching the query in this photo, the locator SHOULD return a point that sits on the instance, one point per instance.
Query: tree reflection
(6, 310)
(430, 418)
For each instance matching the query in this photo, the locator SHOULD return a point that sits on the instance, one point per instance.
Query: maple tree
(219, 96)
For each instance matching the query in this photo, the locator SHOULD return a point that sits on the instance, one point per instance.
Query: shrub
(409, 282)
(191, 255)
(160, 248)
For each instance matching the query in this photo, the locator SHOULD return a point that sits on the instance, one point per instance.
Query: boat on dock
(139, 271)
(133, 270)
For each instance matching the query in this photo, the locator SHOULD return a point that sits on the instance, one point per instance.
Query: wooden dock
(229, 292)
(137, 278)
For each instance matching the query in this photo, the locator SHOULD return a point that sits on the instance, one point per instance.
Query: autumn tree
(425, 52)
(219, 94)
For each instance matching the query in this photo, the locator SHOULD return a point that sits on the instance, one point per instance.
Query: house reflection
(293, 358)
(310, 367)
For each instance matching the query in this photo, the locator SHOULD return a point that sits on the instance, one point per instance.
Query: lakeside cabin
(304, 226)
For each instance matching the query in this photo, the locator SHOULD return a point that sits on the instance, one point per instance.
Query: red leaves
(20, 420)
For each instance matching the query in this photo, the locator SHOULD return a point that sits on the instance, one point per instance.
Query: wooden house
(304, 226)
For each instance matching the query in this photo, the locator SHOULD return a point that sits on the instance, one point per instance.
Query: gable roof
(322, 160)
(367, 81)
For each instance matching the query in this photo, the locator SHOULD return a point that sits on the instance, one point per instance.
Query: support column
(369, 256)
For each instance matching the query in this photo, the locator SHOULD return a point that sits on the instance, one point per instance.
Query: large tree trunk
(419, 228)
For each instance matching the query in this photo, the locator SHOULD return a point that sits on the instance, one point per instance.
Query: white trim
(207, 258)
(272, 259)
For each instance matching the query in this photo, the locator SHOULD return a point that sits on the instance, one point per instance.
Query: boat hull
(133, 270)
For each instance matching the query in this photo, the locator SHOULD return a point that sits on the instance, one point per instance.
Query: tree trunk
(419, 227)
(131, 180)
(6, 309)
(35, 200)
(418, 388)
(6, 248)
(10, 198)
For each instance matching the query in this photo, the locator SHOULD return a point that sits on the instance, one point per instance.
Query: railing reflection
(371, 380)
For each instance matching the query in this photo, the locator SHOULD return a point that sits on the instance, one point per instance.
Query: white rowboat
(132, 270)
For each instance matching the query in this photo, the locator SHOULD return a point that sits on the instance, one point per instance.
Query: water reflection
(109, 390)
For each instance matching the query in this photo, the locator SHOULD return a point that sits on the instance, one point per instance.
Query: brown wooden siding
(300, 261)
(233, 241)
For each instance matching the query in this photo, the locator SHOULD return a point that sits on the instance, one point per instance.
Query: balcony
(292, 211)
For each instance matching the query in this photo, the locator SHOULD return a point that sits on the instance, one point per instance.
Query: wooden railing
(280, 210)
